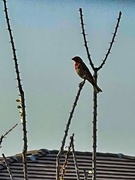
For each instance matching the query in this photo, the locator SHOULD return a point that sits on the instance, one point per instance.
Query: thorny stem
(112, 41)
(85, 40)
(8, 168)
(94, 141)
(95, 95)
(85, 175)
(63, 169)
(86, 45)
(21, 92)
(66, 130)
(3, 136)
(74, 158)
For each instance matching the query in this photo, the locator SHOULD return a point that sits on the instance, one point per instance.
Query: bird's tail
(97, 89)
(95, 86)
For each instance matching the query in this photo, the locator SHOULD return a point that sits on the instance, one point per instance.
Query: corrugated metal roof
(42, 165)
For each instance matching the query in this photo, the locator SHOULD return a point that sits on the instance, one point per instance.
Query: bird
(83, 71)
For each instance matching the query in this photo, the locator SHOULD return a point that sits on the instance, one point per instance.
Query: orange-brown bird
(84, 72)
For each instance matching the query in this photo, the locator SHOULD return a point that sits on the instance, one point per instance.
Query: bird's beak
(72, 59)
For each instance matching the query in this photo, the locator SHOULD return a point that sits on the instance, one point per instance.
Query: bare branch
(8, 168)
(112, 41)
(21, 92)
(85, 175)
(94, 138)
(85, 40)
(63, 169)
(3, 136)
(74, 157)
(67, 128)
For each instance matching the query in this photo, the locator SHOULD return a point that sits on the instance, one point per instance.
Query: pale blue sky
(47, 35)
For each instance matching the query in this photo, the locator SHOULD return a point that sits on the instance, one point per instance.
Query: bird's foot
(81, 83)
(84, 77)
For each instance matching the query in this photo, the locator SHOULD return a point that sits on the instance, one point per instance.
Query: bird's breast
(77, 65)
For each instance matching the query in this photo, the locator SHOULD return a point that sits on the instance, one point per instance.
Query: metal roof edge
(42, 152)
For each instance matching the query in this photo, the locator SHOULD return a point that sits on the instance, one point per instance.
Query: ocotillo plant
(67, 129)
(21, 93)
(96, 69)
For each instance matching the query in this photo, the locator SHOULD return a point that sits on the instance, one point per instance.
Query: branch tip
(85, 40)
(112, 41)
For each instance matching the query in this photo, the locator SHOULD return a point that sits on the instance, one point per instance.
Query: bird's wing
(87, 71)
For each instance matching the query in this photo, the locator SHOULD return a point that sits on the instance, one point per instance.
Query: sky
(47, 35)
